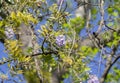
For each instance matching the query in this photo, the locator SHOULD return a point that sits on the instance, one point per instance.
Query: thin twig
(102, 16)
(61, 2)
(43, 45)
(73, 43)
(100, 60)
(109, 27)
(45, 53)
(109, 64)
(1, 63)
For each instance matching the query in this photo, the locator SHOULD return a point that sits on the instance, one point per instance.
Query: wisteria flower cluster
(93, 79)
(9, 33)
(60, 40)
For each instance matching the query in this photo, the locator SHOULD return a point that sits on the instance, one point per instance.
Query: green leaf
(2, 23)
(116, 0)
(94, 11)
(115, 34)
(110, 24)
(115, 42)
(116, 7)
(87, 69)
(110, 10)
(19, 71)
(83, 48)
(115, 14)
(66, 75)
(95, 50)
(66, 25)
(109, 44)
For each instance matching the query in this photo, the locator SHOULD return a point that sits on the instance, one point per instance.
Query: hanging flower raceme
(60, 40)
(9, 33)
(93, 79)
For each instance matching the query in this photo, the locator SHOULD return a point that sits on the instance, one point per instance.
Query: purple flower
(93, 79)
(60, 40)
(9, 33)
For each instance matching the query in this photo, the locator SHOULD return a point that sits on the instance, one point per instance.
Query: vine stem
(61, 2)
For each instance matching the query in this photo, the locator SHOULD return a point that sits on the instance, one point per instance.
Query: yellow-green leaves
(13, 15)
(94, 11)
(2, 35)
(114, 10)
(31, 76)
(2, 23)
(110, 10)
(57, 16)
(44, 31)
(68, 60)
(2, 29)
(88, 50)
(14, 49)
(53, 8)
(20, 17)
(76, 24)
(115, 41)
(12, 45)
(115, 77)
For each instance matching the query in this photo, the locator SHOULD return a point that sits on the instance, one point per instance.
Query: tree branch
(109, 65)
(61, 2)
(42, 47)
(37, 54)
(109, 27)
(1, 63)
(45, 53)
(102, 15)
(115, 60)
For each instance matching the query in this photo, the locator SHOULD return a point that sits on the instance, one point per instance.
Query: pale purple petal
(60, 40)
(9, 33)
(93, 79)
